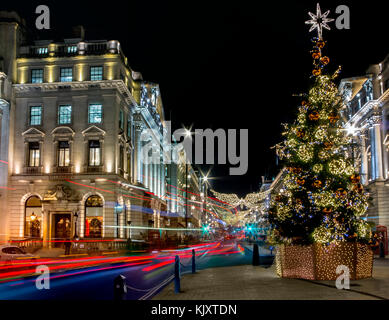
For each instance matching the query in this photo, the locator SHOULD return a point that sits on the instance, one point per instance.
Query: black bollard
(120, 288)
(177, 283)
(382, 250)
(255, 255)
(193, 261)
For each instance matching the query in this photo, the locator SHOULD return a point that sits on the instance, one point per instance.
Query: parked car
(9, 253)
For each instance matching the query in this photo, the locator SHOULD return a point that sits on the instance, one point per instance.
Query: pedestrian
(382, 249)
(67, 247)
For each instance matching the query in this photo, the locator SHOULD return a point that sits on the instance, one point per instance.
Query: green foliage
(322, 198)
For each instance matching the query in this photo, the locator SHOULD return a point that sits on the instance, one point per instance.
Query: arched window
(94, 217)
(33, 218)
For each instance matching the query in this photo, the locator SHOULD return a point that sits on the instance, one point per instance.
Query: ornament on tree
(322, 196)
(316, 72)
(355, 178)
(317, 184)
(320, 44)
(325, 60)
(341, 193)
(327, 210)
(314, 116)
(333, 117)
(300, 133)
(316, 54)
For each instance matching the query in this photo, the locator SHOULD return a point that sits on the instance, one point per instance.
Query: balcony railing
(33, 170)
(94, 169)
(67, 169)
(66, 50)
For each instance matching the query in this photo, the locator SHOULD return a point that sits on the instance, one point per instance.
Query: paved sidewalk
(256, 283)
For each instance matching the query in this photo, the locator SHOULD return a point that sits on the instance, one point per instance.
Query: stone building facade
(73, 118)
(366, 118)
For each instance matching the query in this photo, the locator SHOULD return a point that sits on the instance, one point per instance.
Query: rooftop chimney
(79, 32)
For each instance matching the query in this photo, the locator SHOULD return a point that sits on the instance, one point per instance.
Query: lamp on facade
(33, 216)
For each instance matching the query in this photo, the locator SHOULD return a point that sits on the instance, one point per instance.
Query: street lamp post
(75, 224)
(186, 194)
(188, 134)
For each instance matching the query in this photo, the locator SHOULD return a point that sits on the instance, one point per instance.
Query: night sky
(225, 64)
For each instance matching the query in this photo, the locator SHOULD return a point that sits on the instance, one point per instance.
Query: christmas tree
(322, 199)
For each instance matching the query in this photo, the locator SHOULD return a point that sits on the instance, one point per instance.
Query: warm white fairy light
(319, 21)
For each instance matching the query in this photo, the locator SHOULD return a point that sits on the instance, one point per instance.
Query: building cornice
(370, 105)
(78, 85)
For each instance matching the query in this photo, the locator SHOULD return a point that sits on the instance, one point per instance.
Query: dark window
(37, 75)
(121, 155)
(121, 119)
(129, 126)
(66, 75)
(387, 84)
(96, 73)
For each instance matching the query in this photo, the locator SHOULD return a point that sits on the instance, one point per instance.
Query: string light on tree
(322, 197)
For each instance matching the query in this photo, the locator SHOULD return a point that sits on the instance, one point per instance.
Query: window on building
(43, 50)
(66, 75)
(71, 49)
(94, 153)
(95, 113)
(96, 73)
(33, 218)
(121, 119)
(121, 158)
(34, 154)
(128, 125)
(36, 115)
(63, 154)
(65, 114)
(94, 217)
(37, 75)
(129, 165)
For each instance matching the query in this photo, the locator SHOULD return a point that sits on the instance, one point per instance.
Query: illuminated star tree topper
(319, 21)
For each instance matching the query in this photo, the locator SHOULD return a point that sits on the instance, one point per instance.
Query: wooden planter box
(319, 262)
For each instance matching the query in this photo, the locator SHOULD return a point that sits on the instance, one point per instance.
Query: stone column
(122, 223)
(385, 150)
(4, 146)
(46, 228)
(150, 181)
(146, 175)
(159, 178)
(155, 178)
(364, 160)
(378, 159)
(138, 152)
